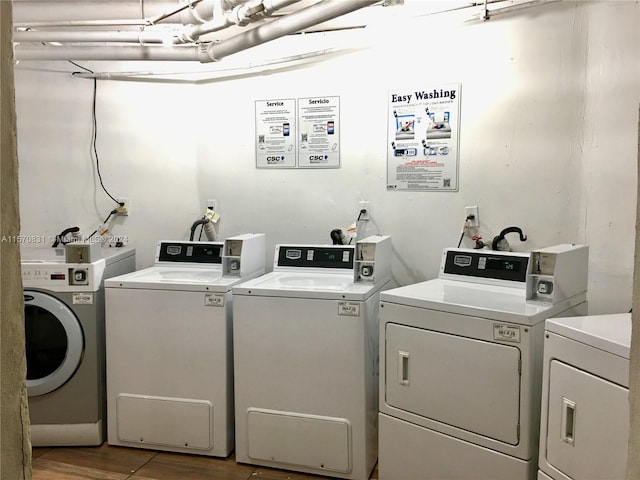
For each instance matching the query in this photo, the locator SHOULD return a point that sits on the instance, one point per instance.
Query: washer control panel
(507, 266)
(315, 256)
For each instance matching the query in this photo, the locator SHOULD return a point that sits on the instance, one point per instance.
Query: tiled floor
(119, 463)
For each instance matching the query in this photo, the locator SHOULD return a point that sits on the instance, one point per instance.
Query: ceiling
(201, 31)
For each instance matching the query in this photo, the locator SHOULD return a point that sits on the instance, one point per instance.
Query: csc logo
(317, 157)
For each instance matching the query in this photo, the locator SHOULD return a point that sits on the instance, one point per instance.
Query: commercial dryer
(169, 347)
(584, 428)
(305, 342)
(461, 363)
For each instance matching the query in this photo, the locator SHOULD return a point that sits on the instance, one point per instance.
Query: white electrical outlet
(364, 205)
(124, 210)
(472, 211)
(212, 204)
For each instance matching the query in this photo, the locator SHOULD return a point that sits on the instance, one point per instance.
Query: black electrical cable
(111, 213)
(362, 212)
(94, 133)
(464, 228)
(60, 237)
(194, 226)
(94, 140)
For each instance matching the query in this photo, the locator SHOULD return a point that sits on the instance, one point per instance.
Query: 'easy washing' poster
(423, 138)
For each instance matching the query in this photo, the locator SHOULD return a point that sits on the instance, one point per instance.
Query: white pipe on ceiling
(231, 18)
(30, 13)
(292, 23)
(107, 52)
(240, 14)
(141, 37)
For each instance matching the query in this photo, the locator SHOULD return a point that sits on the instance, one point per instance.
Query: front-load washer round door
(54, 342)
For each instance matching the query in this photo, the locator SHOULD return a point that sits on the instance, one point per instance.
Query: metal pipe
(192, 33)
(132, 36)
(292, 23)
(126, 52)
(27, 13)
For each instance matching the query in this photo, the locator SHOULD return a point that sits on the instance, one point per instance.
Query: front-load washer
(64, 333)
(584, 427)
(169, 346)
(306, 359)
(461, 363)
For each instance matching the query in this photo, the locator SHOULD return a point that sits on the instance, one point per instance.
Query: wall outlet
(472, 211)
(364, 205)
(124, 210)
(212, 204)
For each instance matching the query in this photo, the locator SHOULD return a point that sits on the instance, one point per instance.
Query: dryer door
(464, 382)
(54, 342)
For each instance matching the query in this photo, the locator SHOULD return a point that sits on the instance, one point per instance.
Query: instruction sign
(319, 132)
(276, 133)
(423, 138)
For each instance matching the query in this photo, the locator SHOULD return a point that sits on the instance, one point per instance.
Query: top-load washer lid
(492, 302)
(611, 333)
(332, 286)
(206, 279)
(310, 271)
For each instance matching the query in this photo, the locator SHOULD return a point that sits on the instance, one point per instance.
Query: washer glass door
(54, 342)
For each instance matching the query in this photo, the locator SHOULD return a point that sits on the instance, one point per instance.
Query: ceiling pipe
(190, 34)
(141, 37)
(28, 13)
(320, 12)
(107, 52)
(242, 14)
(205, 52)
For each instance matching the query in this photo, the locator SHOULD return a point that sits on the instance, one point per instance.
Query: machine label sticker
(506, 333)
(214, 300)
(83, 298)
(350, 309)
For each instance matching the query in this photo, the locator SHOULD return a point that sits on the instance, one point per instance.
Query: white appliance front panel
(173, 345)
(412, 452)
(309, 441)
(303, 357)
(544, 476)
(588, 424)
(527, 339)
(160, 421)
(470, 384)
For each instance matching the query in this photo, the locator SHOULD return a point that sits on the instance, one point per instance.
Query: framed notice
(319, 132)
(423, 138)
(276, 133)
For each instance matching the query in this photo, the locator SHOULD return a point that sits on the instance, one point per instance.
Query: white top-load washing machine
(461, 363)
(584, 427)
(306, 359)
(169, 346)
(65, 345)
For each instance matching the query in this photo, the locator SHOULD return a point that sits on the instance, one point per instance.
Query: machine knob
(366, 270)
(545, 287)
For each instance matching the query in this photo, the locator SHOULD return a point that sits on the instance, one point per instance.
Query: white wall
(548, 143)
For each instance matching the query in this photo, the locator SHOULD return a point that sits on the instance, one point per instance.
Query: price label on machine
(83, 298)
(351, 309)
(214, 300)
(506, 333)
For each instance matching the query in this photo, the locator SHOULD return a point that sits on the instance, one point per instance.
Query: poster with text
(276, 133)
(423, 138)
(319, 132)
